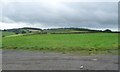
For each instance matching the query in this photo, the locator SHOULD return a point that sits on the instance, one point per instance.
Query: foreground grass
(63, 42)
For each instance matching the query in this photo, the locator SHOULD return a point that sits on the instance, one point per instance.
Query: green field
(5, 33)
(63, 42)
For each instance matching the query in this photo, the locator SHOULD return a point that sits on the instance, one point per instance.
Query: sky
(94, 14)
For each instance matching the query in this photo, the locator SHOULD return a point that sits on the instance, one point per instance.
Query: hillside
(30, 30)
(25, 30)
(69, 30)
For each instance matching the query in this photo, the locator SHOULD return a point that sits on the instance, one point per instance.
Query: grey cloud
(69, 14)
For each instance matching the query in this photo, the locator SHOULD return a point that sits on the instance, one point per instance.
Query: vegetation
(27, 30)
(63, 42)
(60, 39)
(107, 30)
(0, 38)
(6, 33)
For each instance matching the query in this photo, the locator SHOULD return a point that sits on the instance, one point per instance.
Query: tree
(16, 33)
(107, 30)
(4, 30)
(23, 32)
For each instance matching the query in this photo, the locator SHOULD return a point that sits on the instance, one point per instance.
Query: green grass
(63, 42)
(0, 39)
(5, 33)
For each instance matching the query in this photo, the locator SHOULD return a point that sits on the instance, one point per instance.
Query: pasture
(63, 42)
(5, 33)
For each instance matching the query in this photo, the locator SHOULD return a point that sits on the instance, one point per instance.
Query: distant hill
(70, 30)
(23, 30)
(30, 30)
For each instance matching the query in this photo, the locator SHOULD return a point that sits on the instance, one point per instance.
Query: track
(34, 60)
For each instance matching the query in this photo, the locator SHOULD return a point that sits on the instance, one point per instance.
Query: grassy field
(5, 33)
(63, 42)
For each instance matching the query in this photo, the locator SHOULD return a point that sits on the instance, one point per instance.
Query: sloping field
(5, 33)
(63, 42)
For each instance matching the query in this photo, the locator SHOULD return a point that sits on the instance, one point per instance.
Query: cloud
(17, 25)
(60, 0)
(62, 14)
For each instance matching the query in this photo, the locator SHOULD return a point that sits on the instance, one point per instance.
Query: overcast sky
(52, 14)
